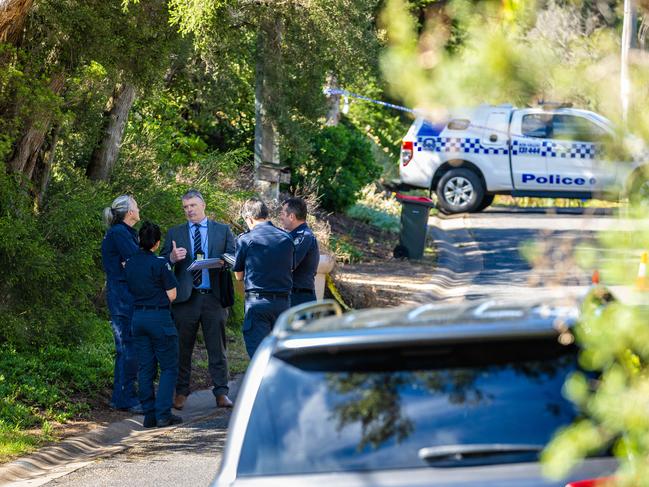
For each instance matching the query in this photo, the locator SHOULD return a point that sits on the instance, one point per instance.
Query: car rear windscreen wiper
(471, 452)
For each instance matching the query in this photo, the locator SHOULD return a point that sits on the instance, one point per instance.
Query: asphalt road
(185, 456)
(526, 251)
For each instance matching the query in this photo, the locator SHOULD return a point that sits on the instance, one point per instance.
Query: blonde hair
(116, 212)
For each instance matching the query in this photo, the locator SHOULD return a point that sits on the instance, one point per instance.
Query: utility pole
(629, 41)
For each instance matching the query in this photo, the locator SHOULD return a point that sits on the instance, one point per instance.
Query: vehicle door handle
(493, 138)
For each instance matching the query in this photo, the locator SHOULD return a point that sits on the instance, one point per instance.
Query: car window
(537, 125)
(571, 127)
(369, 411)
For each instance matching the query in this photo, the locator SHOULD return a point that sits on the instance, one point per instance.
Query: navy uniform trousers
(302, 297)
(261, 313)
(120, 304)
(156, 342)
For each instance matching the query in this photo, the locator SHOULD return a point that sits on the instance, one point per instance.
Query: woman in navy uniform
(153, 285)
(119, 244)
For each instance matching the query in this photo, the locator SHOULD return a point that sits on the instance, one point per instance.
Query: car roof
(494, 319)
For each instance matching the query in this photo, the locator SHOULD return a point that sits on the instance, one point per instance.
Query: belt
(297, 290)
(150, 307)
(263, 294)
(202, 291)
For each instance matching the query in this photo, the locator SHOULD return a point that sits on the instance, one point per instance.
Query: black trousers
(206, 310)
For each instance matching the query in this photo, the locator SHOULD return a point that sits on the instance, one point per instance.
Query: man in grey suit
(203, 295)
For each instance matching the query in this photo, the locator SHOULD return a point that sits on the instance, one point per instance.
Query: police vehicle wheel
(459, 190)
(486, 201)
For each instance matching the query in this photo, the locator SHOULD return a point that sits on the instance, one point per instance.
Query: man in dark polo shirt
(307, 256)
(264, 261)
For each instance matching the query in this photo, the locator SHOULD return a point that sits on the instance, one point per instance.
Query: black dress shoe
(149, 421)
(170, 421)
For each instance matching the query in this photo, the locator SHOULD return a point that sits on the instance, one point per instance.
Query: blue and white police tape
(345, 93)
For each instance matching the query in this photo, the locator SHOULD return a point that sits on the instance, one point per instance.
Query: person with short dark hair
(153, 286)
(204, 296)
(307, 255)
(119, 244)
(264, 261)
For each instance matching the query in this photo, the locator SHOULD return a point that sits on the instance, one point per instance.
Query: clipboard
(213, 263)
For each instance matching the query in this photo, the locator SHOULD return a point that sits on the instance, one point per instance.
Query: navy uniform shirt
(149, 277)
(307, 257)
(265, 254)
(120, 243)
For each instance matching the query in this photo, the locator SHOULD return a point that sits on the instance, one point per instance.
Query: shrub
(340, 164)
(377, 210)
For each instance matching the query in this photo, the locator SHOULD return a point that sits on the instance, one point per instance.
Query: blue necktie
(198, 248)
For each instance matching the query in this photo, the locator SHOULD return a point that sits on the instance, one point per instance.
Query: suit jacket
(219, 240)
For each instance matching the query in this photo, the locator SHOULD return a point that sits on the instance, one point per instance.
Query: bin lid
(416, 200)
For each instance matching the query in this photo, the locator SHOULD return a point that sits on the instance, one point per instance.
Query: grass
(374, 217)
(15, 442)
(53, 384)
(344, 250)
(527, 202)
(237, 356)
(378, 209)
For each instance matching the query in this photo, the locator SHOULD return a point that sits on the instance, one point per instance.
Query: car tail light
(600, 482)
(406, 152)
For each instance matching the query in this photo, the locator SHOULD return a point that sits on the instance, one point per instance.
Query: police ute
(550, 151)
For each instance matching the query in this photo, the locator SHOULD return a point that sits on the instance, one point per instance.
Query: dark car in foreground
(436, 395)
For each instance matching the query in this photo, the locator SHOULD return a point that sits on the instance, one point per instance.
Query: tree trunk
(333, 114)
(26, 151)
(13, 14)
(44, 171)
(266, 136)
(106, 152)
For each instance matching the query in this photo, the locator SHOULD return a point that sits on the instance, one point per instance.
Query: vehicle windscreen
(401, 407)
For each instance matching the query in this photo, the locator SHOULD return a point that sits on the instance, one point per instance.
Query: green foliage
(614, 338)
(376, 218)
(501, 53)
(384, 125)
(14, 442)
(38, 386)
(295, 45)
(344, 251)
(50, 262)
(340, 164)
(377, 209)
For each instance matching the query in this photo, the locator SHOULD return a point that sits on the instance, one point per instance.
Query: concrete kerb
(70, 454)
(458, 259)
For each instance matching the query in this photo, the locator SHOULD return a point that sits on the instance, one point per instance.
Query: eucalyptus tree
(69, 56)
(285, 49)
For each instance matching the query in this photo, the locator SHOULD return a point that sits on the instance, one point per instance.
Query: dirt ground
(378, 280)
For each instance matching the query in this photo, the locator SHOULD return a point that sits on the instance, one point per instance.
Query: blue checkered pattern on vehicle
(566, 150)
(457, 144)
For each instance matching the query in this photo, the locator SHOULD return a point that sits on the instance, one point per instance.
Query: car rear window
(369, 410)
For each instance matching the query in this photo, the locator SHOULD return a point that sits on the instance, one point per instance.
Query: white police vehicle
(545, 152)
